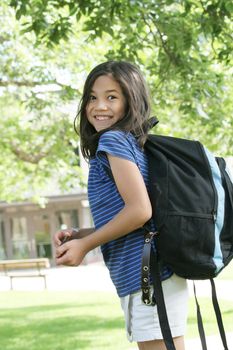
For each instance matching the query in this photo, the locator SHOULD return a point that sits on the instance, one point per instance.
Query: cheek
(122, 111)
(87, 110)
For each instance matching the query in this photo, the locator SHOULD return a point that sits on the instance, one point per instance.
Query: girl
(113, 128)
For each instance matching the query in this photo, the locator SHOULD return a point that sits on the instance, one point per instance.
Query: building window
(67, 219)
(19, 237)
(42, 236)
(2, 239)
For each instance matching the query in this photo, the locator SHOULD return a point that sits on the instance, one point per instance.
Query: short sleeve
(116, 143)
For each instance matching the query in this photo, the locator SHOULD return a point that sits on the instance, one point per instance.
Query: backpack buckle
(149, 236)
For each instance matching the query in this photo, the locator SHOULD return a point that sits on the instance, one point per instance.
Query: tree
(39, 95)
(183, 47)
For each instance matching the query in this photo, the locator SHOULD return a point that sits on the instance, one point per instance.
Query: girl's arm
(66, 235)
(135, 213)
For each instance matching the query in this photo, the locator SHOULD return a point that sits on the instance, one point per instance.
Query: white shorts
(142, 323)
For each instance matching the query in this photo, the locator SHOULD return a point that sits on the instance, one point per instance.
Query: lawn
(78, 321)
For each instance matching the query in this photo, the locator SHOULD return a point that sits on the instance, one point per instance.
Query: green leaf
(18, 14)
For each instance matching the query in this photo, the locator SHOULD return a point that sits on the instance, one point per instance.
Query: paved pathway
(96, 277)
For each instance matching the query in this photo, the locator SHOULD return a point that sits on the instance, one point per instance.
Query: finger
(59, 236)
(61, 250)
(63, 260)
(56, 240)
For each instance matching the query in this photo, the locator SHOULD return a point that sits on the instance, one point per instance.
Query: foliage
(184, 49)
(39, 94)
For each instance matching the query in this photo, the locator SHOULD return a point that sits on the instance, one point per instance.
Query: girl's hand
(60, 235)
(71, 253)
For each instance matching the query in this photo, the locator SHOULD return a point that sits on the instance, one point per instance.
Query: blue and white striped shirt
(123, 255)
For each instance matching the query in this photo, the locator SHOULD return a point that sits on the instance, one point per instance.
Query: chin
(102, 128)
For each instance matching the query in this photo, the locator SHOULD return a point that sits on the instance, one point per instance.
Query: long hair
(137, 111)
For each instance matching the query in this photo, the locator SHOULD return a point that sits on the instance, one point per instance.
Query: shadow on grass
(56, 327)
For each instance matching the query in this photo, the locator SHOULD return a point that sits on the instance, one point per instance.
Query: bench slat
(25, 268)
(6, 265)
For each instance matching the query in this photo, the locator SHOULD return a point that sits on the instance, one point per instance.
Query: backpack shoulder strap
(159, 298)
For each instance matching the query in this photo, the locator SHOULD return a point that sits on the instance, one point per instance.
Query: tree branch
(28, 83)
(27, 157)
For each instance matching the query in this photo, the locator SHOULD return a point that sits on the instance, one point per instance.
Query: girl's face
(106, 104)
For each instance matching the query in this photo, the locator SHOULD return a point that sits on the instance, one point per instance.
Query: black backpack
(191, 194)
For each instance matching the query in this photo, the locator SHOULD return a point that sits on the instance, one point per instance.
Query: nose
(100, 104)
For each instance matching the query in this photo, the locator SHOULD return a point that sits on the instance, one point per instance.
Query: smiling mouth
(103, 117)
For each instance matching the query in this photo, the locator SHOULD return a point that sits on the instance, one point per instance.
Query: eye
(111, 97)
(92, 97)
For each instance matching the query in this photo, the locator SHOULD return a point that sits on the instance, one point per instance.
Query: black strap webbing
(218, 315)
(162, 313)
(151, 267)
(199, 321)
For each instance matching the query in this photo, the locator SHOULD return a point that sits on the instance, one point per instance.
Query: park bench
(25, 268)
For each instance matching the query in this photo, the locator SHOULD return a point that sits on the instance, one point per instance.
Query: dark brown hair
(137, 112)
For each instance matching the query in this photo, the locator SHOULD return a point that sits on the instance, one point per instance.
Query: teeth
(102, 117)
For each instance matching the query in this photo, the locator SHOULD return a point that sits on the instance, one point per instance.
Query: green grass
(61, 321)
(77, 321)
(208, 316)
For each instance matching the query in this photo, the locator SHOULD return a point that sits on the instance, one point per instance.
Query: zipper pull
(214, 214)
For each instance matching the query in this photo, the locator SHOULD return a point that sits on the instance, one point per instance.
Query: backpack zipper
(215, 204)
(196, 215)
